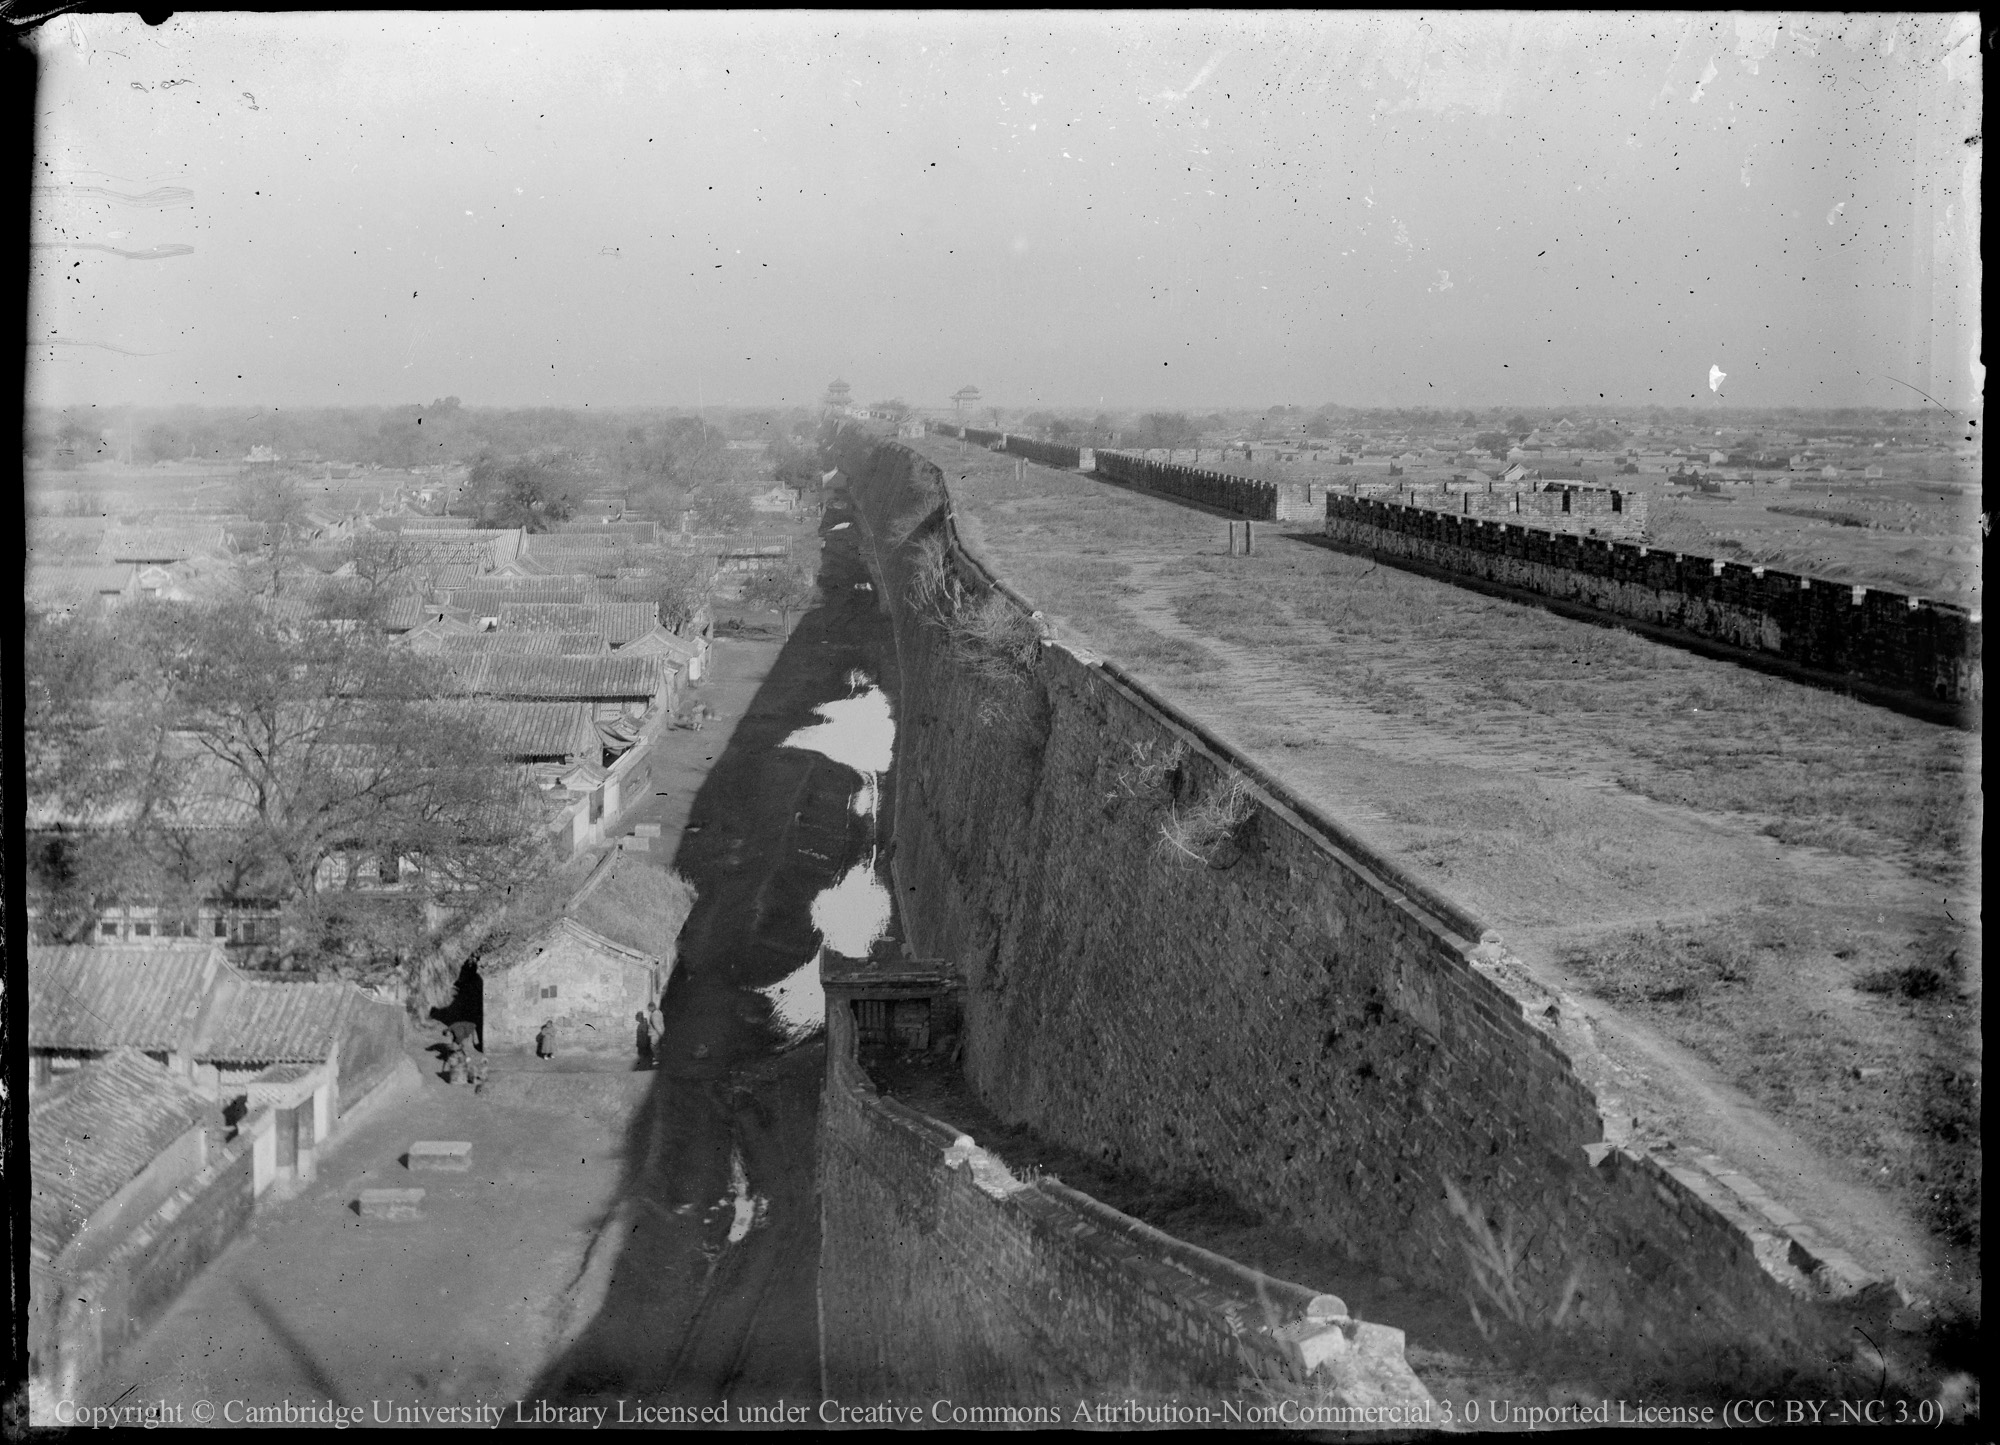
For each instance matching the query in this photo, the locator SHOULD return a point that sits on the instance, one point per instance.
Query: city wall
(1909, 647)
(1296, 1024)
(944, 1277)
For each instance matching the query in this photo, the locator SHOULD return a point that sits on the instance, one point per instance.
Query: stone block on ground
(392, 1203)
(645, 830)
(453, 1155)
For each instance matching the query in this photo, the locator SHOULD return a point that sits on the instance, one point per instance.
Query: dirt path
(712, 1289)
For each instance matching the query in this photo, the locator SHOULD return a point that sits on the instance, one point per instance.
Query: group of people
(463, 1062)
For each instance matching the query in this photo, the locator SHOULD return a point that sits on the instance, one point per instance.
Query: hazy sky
(1151, 210)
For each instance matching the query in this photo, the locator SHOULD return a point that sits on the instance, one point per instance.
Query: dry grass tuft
(993, 639)
(1146, 766)
(1203, 832)
(1495, 1259)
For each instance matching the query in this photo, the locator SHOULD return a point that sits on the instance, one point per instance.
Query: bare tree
(784, 590)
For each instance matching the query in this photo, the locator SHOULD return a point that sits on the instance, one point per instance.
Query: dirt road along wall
(1929, 652)
(1288, 1022)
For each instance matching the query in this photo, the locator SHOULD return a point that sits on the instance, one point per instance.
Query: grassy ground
(1779, 881)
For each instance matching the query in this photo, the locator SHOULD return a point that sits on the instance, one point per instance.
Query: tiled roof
(628, 531)
(662, 643)
(527, 644)
(536, 731)
(590, 561)
(90, 1133)
(600, 678)
(487, 601)
(160, 544)
(47, 580)
(617, 622)
(422, 524)
(400, 614)
(278, 1022)
(538, 543)
(102, 996)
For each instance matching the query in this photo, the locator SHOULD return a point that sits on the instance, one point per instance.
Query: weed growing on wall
(930, 589)
(1144, 769)
(1495, 1259)
(1203, 831)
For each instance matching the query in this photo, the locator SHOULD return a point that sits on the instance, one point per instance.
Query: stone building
(590, 987)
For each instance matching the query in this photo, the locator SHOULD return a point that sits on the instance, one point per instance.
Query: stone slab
(453, 1155)
(392, 1203)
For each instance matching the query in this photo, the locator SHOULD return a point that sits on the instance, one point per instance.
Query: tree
(237, 760)
(784, 590)
(333, 745)
(1167, 429)
(1496, 442)
(682, 583)
(273, 501)
(531, 492)
(795, 466)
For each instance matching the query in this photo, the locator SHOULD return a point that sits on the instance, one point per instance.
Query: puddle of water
(858, 731)
(798, 1003)
(870, 796)
(853, 915)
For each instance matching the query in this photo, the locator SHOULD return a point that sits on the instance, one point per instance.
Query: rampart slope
(1291, 1024)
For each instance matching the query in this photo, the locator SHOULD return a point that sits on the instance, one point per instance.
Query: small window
(221, 926)
(548, 990)
(142, 930)
(107, 929)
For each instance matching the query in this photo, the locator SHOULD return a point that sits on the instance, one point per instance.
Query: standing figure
(645, 1040)
(545, 1040)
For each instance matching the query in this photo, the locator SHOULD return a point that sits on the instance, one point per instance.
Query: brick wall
(1254, 499)
(1049, 454)
(1299, 1026)
(1928, 651)
(944, 1277)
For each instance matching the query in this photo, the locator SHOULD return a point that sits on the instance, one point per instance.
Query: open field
(1918, 537)
(1906, 534)
(1766, 894)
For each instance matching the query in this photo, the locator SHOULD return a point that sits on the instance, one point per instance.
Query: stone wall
(1049, 454)
(945, 1278)
(1245, 495)
(1929, 652)
(1295, 1024)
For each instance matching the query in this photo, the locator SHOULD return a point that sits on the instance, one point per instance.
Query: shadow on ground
(667, 1307)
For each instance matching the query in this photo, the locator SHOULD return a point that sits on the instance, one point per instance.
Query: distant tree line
(442, 431)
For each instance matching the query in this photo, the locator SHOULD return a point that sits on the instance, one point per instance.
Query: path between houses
(586, 1257)
(723, 1144)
